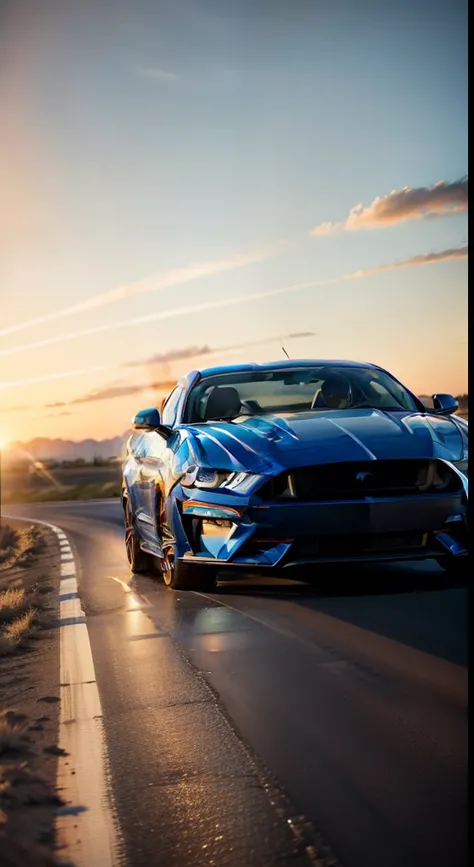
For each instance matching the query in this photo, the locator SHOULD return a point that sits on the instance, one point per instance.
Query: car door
(152, 472)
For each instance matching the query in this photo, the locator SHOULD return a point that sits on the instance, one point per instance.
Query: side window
(169, 410)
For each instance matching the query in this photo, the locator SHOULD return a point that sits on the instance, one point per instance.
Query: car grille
(364, 479)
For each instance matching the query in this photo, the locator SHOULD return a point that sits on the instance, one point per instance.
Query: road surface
(239, 723)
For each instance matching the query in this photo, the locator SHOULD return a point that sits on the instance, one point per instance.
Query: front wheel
(187, 576)
(139, 561)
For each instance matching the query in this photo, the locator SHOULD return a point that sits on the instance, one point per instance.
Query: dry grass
(12, 732)
(8, 544)
(22, 791)
(18, 551)
(12, 604)
(18, 547)
(28, 800)
(15, 619)
(7, 538)
(15, 632)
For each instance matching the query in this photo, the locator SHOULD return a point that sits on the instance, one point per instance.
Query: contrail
(174, 277)
(50, 376)
(424, 259)
(168, 314)
(220, 304)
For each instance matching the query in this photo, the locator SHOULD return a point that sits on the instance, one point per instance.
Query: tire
(187, 576)
(457, 567)
(139, 561)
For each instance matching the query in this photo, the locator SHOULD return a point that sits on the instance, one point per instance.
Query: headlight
(208, 479)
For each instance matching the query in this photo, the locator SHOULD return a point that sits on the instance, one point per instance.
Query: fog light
(215, 527)
(202, 510)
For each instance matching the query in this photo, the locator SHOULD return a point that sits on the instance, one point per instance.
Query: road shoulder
(29, 694)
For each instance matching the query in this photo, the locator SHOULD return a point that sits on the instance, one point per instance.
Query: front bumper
(290, 534)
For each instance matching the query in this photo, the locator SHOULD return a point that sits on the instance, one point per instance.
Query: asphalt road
(267, 713)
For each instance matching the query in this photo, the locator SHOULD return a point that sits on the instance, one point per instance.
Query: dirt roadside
(29, 694)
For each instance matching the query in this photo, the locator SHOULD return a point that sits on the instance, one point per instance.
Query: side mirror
(445, 404)
(147, 419)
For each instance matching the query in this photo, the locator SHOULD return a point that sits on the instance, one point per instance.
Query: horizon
(212, 182)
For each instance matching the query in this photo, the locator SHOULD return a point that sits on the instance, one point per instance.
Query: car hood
(269, 443)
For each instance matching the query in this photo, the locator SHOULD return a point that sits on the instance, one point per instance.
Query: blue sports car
(271, 467)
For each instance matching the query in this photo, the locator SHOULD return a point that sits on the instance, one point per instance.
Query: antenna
(284, 350)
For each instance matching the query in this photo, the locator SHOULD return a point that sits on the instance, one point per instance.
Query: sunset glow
(152, 210)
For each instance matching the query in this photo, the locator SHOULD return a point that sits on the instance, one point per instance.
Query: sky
(201, 181)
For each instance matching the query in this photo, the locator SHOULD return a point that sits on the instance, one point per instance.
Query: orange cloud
(409, 203)
(200, 351)
(113, 391)
(440, 256)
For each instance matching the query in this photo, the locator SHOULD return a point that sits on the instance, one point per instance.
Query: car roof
(288, 364)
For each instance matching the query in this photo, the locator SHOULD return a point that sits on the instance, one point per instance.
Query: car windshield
(319, 388)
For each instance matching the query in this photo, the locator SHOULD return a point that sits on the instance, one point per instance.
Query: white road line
(85, 828)
(68, 586)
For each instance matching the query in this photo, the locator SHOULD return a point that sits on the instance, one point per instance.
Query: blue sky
(150, 136)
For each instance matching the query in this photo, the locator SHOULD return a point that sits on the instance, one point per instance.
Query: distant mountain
(64, 450)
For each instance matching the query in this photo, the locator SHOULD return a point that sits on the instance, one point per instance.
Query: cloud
(200, 351)
(409, 203)
(172, 355)
(299, 335)
(173, 277)
(57, 414)
(155, 73)
(112, 392)
(425, 259)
